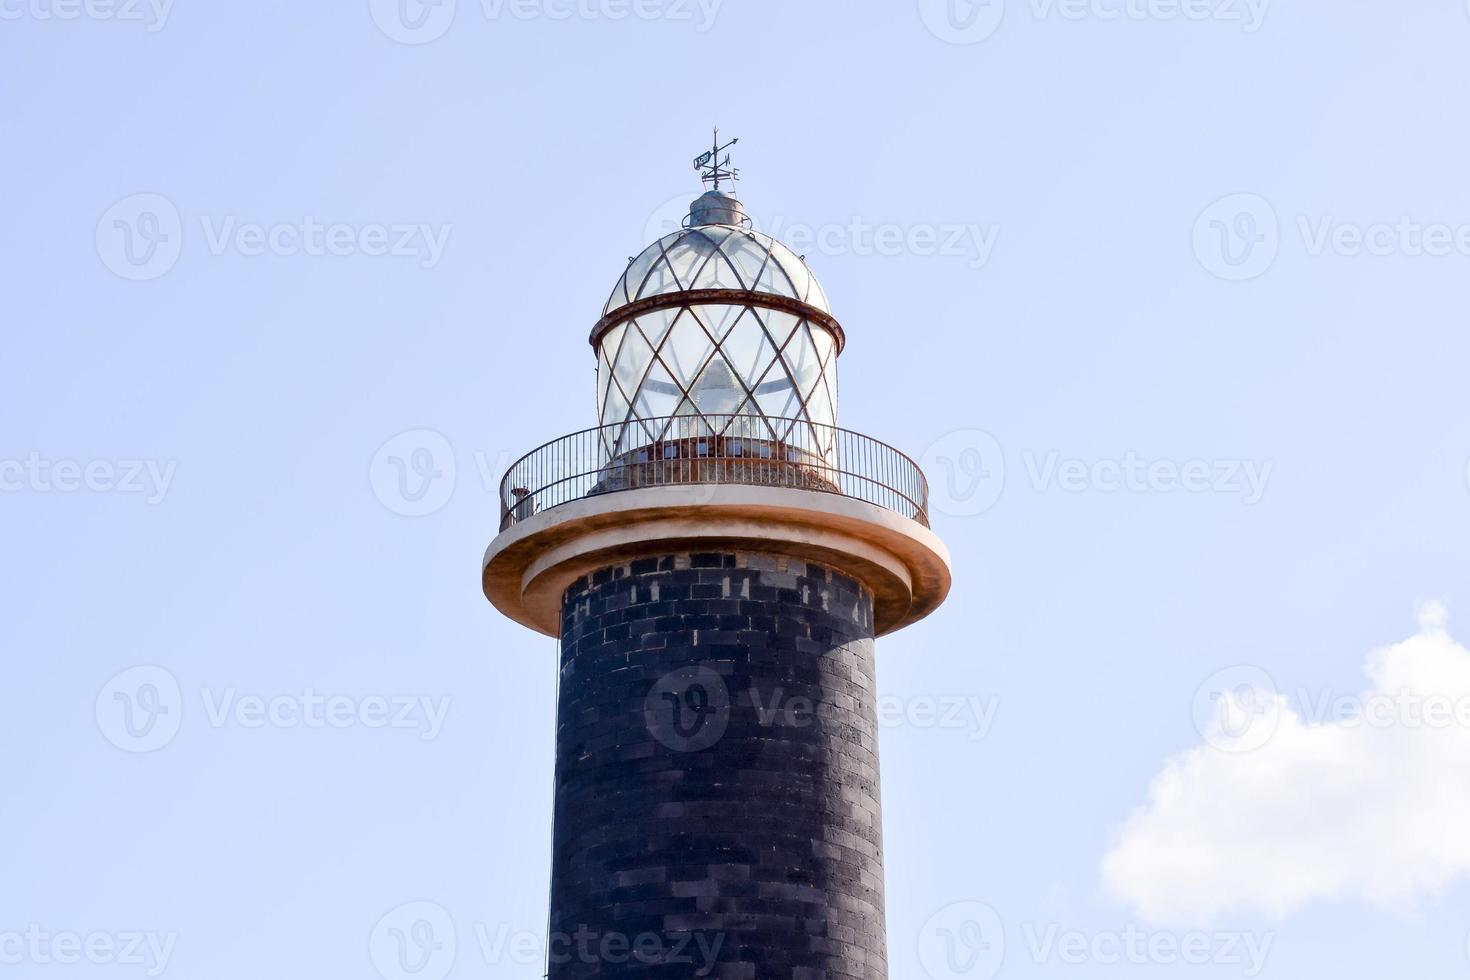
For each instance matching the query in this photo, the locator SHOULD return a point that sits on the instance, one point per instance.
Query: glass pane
(704, 247)
(685, 258)
(717, 318)
(686, 349)
(627, 289)
(748, 255)
(608, 346)
(825, 345)
(656, 324)
(801, 358)
(658, 395)
(748, 348)
(717, 392)
(604, 377)
(818, 296)
(777, 401)
(660, 279)
(779, 325)
(633, 360)
(774, 278)
(830, 375)
(795, 269)
(616, 407)
(820, 407)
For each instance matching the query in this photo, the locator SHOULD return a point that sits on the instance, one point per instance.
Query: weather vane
(713, 169)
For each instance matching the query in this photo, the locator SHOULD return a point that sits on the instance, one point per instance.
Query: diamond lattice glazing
(717, 257)
(772, 369)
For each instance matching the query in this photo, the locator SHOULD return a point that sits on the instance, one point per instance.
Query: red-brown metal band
(731, 297)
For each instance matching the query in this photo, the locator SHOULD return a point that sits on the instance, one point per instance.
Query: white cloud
(1316, 796)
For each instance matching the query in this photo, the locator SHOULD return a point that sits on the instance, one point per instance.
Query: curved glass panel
(772, 368)
(717, 257)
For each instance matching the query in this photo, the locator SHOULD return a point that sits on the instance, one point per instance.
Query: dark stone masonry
(717, 807)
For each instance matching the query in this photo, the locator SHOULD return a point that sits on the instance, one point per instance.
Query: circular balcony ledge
(528, 566)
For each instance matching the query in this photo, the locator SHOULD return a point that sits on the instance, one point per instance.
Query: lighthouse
(716, 557)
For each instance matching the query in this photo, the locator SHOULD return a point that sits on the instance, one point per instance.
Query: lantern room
(717, 329)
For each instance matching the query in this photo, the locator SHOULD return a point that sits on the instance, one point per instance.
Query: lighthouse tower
(716, 557)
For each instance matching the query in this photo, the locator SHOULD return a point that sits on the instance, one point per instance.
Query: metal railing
(713, 449)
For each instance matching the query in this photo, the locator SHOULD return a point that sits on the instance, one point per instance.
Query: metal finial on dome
(714, 206)
(711, 168)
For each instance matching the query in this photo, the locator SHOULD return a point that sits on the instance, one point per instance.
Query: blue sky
(1168, 296)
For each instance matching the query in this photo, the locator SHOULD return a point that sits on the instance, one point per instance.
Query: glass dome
(717, 257)
(758, 359)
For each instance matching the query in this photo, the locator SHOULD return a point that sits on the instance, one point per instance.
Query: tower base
(717, 807)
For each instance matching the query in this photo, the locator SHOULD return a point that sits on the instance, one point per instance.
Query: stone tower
(716, 557)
